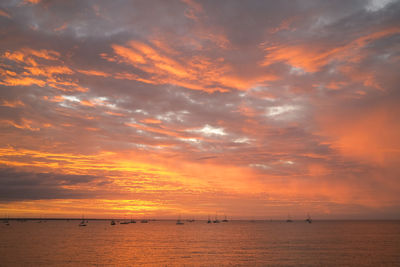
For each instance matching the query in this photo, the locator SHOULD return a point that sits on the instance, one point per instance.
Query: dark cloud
(17, 185)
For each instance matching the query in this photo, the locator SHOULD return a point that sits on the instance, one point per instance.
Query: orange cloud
(151, 121)
(4, 14)
(94, 73)
(12, 104)
(317, 170)
(57, 98)
(285, 25)
(28, 54)
(34, 2)
(194, 9)
(24, 124)
(62, 27)
(24, 81)
(368, 79)
(312, 58)
(50, 71)
(86, 103)
(159, 130)
(372, 136)
(176, 181)
(114, 113)
(197, 73)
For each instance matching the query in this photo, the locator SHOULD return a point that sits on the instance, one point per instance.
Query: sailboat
(289, 219)
(113, 222)
(6, 222)
(83, 223)
(216, 219)
(309, 220)
(225, 219)
(179, 222)
(132, 220)
(209, 220)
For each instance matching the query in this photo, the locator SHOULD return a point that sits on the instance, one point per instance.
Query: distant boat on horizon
(83, 223)
(113, 222)
(144, 221)
(216, 220)
(209, 220)
(124, 222)
(179, 222)
(289, 219)
(309, 220)
(225, 219)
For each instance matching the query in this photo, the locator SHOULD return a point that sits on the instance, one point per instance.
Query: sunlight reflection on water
(259, 243)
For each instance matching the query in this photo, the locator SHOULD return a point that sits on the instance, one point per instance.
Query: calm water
(163, 243)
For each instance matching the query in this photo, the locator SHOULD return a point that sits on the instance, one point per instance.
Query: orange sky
(253, 109)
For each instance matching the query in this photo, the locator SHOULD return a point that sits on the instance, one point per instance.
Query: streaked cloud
(4, 14)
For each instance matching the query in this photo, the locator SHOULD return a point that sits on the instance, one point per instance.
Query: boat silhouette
(83, 222)
(179, 222)
(309, 220)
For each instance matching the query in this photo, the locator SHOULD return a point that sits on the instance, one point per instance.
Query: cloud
(312, 60)
(16, 185)
(196, 73)
(375, 5)
(244, 107)
(31, 1)
(46, 72)
(367, 132)
(4, 14)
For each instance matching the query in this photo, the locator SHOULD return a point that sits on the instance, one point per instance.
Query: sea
(233, 243)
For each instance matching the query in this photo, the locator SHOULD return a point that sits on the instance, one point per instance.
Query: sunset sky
(253, 109)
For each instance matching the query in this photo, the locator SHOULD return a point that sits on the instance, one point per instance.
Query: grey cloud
(17, 185)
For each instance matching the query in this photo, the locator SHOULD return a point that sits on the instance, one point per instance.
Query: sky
(154, 109)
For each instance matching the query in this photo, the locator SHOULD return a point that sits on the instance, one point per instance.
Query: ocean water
(235, 243)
